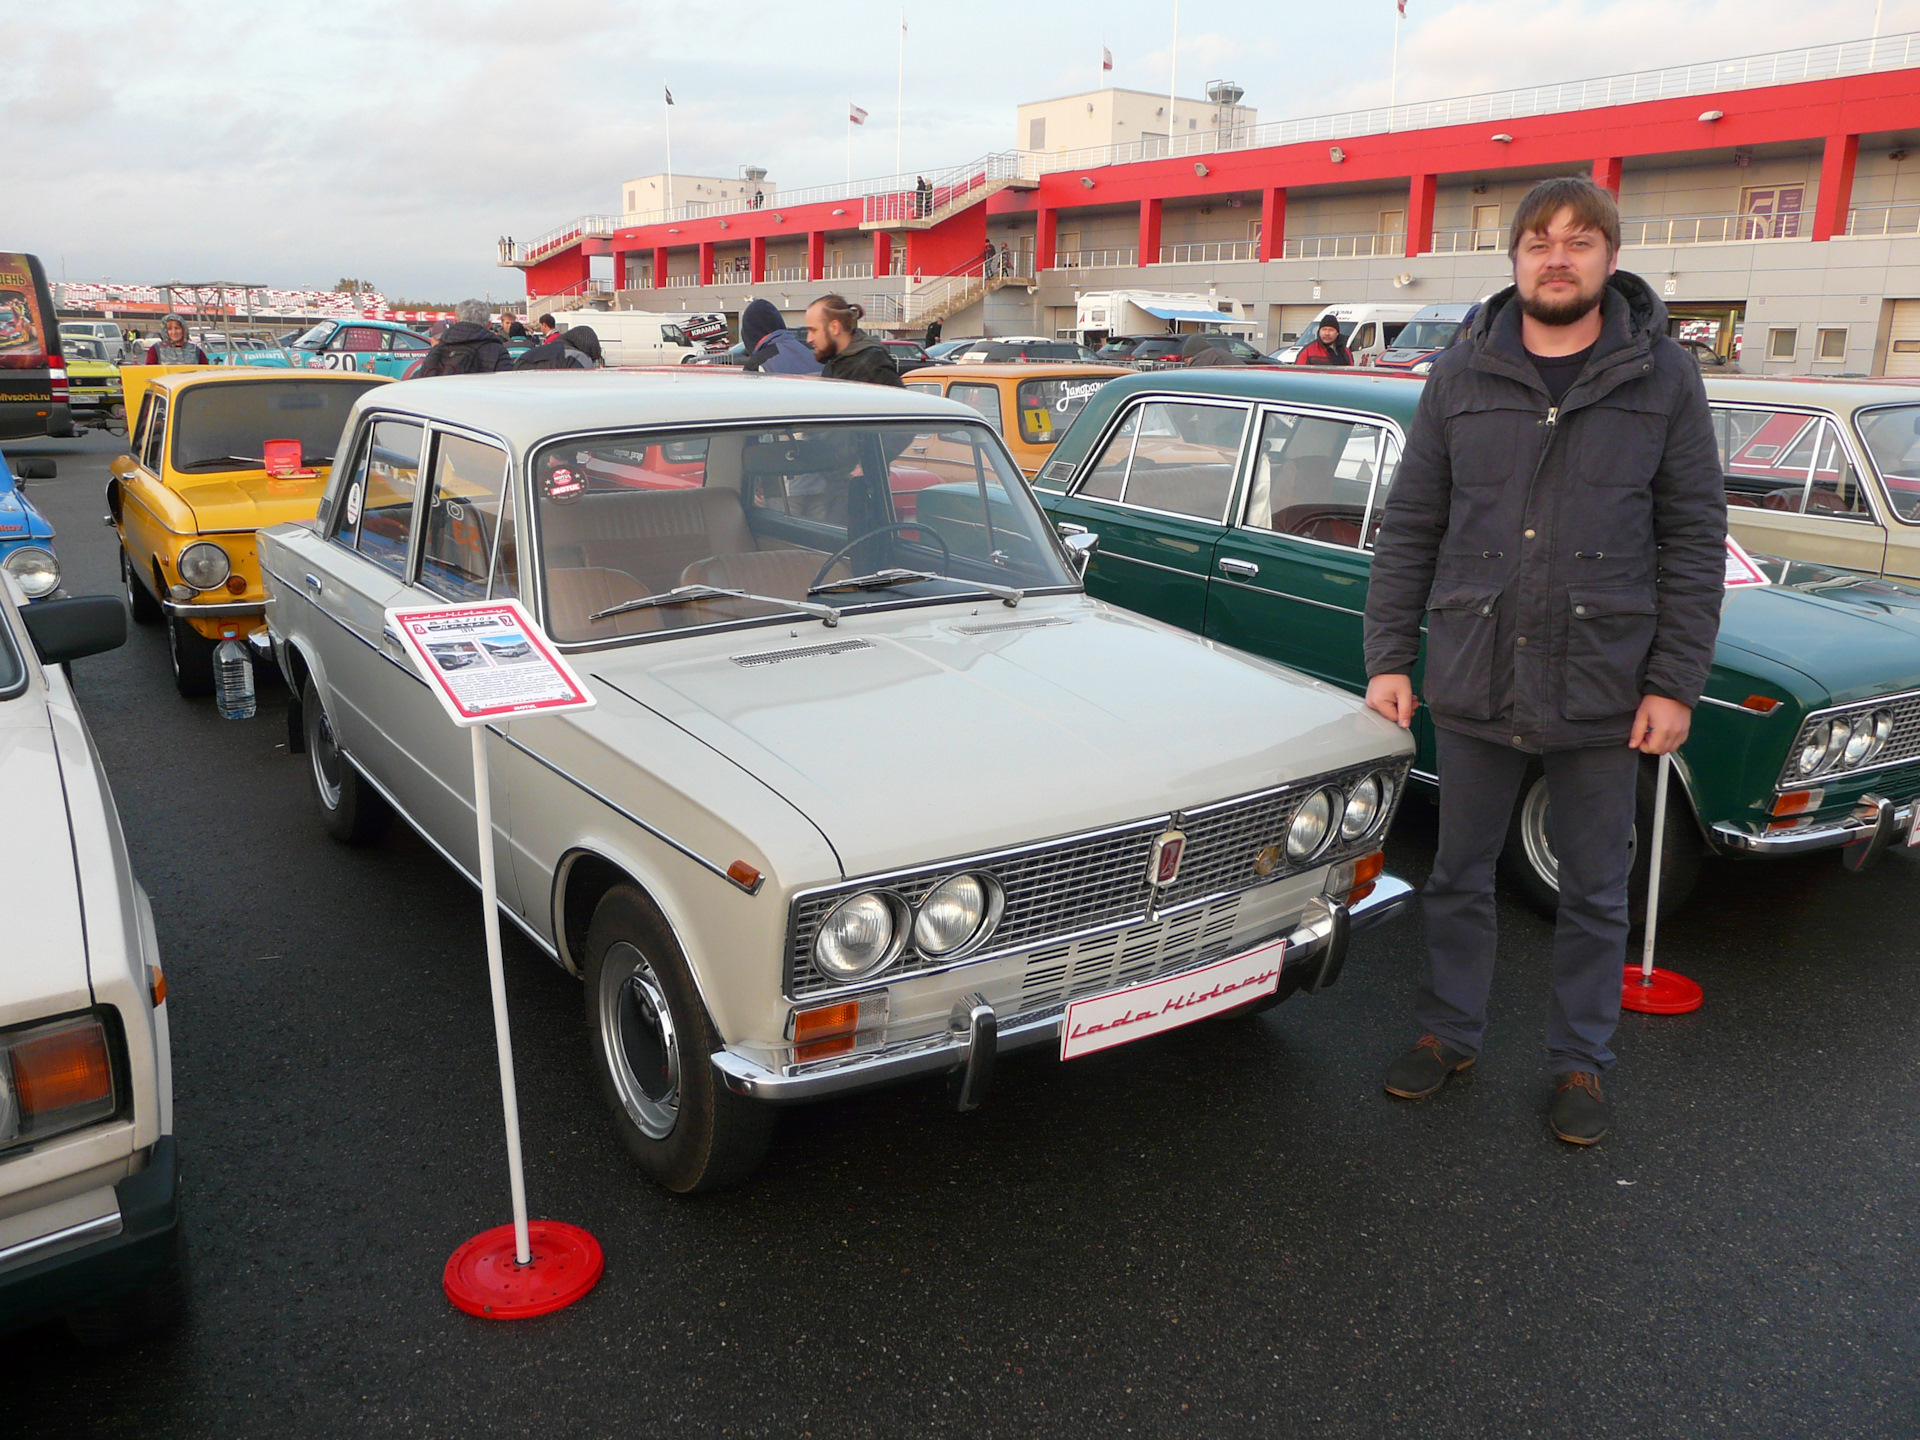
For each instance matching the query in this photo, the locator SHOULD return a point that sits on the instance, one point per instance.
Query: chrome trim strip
(948, 1050)
(627, 815)
(1284, 595)
(1799, 842)
(188, 610)
(1729, 705)
(42, 1247)
(1200, 575)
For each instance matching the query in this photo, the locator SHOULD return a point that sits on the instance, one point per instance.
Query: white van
(643, 337)
(1368, 329)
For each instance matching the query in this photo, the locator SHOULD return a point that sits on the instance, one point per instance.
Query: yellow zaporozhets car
(216, 455)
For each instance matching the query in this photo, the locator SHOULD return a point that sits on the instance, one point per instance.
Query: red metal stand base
(1666, 994)
(483, 1278)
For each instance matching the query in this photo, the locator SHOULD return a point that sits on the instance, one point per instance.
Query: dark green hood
(1854, 636)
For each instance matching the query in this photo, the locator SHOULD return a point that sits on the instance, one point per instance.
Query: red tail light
(57, 383)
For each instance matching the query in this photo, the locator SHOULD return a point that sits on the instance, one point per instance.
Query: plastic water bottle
(233, 681)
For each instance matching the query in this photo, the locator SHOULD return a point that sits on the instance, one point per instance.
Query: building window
(1037, 133)
(1772, 213)
(1782, 343)
(1486, 227)
(1833, 345)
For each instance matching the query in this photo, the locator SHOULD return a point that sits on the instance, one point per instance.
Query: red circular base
(1667, 994)
(483, 1278)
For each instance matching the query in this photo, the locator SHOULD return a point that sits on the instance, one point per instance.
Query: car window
(226, 426)
(1775, 459)
(767, 510)
(932, 388)
(1313, 476)
(362, 338)
(376, 516)
(463, 518)
(1048, 407)
(1363, 337)
(152, 425)
(1182, 460)
(315, 337)
(1109, 473)
(984, 398)
(1892, 438)
(407, 340)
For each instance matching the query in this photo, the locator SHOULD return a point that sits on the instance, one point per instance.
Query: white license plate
(1100, 1022)
(1913, 827)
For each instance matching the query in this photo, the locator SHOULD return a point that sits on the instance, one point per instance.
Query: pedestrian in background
(1328, 347)
(932, 337)
(466, 347)
(549, 331)
(173, 347)
(1559, 519)
(578, 349)
(1203, 350)
(844, 350)
(770, 345)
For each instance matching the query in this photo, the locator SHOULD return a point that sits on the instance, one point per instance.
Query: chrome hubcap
(638, 1037)
(325, 755)
(1536, 835)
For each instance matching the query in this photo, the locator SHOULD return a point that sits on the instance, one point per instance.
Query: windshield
(1047, 407)
(1426, 335)
(79, 348)
(779, 512)
(1892, 437)
(226, 427)
(316, 337)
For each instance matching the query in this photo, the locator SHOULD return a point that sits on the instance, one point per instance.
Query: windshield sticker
(562, 486)
(353, 504)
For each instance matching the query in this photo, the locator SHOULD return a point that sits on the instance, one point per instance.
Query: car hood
(43, 965)
(1856, 636)
(19, 520)
(249, 499)
(906, 739)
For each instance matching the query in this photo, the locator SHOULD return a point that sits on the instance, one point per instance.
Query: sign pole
(496, 976)
(1651, 991)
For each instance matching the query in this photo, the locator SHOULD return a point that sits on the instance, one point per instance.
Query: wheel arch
(580, 881)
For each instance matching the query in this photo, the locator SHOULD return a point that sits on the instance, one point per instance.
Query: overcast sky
(393, 140)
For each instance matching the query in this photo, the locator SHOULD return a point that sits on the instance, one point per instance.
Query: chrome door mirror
(1080, 548)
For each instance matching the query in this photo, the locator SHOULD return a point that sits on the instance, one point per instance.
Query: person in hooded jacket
(770, 345)
(1326, 348)
(844, 350)
(1202, 349)
(467, 347)
(577, 349)
(173, 347)
(1559, 522)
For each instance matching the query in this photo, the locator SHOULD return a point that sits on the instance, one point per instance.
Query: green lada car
(1243, 505)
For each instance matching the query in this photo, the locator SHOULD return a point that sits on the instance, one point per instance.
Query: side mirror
(1080, 550)
(121, 466)
(35, 470)
(69, 629)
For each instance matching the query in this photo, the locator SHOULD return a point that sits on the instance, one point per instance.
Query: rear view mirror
(69, 629)
(35, 470)
(1080, 550)
(121, 466)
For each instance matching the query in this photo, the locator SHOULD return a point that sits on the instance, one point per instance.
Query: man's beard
(1561, 312)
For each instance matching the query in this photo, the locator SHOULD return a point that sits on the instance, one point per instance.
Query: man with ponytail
(845, 351)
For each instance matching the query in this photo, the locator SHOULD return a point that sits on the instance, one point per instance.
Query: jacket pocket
(1461, 617)
(1609, 632)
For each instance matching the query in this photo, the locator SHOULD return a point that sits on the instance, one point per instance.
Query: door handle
(392, 637)
(1245, 569)
(1067, 527)
(313, 583)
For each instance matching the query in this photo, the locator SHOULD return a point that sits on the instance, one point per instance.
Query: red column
(1149, 232)
(1273, 223)
(1836, 186)
(757, 259)
(1606, 174)
(1045, 232)
(659, 267)
(816, 254)
(882, 253)
(1420, 192)
(706, 262)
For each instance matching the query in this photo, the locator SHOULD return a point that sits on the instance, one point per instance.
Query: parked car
(864, 798)
(93, 380)
(372, 347)
(1041, 398)
(1000, 352)
(1143, 352)
(26, 536)
(1823, 470)
(943, 352)
(1242, 505)
(1370, 330)
(907, 354)
(89, 1219)
(1426, 335)
(107, 332)
(186, 501)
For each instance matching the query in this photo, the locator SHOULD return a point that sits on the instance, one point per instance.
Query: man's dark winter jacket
(783, 353)
(1569, 559)
(865, 358)
(578, 349)
(468, 348)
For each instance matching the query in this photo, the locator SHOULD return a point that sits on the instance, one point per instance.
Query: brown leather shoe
(1579, 1113)
(1424, 1069)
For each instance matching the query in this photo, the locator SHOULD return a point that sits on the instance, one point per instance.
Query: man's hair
(1593, 209)
(545, 320)
(838, 307)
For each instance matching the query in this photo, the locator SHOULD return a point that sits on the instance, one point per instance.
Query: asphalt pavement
(1227, 1230)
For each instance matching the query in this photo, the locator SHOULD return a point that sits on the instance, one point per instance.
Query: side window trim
(1135, 406)
(429, 486)
(363, 441)
(1826, 423)
(1385, 427)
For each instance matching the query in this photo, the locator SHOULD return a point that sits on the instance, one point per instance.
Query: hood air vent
(996, 626)
(801, 652)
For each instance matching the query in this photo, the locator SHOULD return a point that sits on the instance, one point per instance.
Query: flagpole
(1393, 85)
(668, 107)
(900, 94)
(1173, 75)
(849, 145)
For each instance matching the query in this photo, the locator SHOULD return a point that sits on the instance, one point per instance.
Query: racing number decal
(342, 360)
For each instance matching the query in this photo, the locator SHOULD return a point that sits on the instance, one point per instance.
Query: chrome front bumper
(1317, 944)
(1872, 826)
(193, 610)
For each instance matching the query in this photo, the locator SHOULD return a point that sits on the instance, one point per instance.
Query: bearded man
(1560, 521)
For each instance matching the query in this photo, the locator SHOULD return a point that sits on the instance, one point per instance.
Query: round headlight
(205, 565)
(1866, 737)
(36, 570)
(1312, 824)
(957, 912)
(1364, 804)
(859, 936)
(1824, 740)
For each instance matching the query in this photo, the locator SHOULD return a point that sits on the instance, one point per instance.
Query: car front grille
(1903, 744)
(1060, 889)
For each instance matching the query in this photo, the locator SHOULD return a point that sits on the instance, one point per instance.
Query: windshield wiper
(687, 594)
(885, 579)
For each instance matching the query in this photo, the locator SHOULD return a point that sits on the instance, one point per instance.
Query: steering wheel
(946, 555)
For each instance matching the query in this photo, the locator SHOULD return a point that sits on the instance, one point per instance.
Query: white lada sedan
(872, 790)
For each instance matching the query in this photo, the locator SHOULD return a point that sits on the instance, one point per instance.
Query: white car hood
(43, 964)
(925, 743)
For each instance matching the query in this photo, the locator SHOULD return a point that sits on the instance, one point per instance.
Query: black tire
(140, 602)
(352, 810)
(192, 656)
(138, 1313)
(1527, 859)
(685, 1128)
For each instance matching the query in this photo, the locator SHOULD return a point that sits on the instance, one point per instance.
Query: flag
(856, 114)
(1106, 55)
(670, 93)
(1403, 8)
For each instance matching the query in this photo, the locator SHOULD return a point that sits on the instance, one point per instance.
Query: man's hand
(1659, 726)
(1392, 696)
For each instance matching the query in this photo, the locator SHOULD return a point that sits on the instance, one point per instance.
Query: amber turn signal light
(63, 1069)
(828, 1030)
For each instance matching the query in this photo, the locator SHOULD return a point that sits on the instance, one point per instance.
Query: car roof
(527, 407)
(1384, 392)
(222, 375)
(1037, 371)
(1833, 394)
